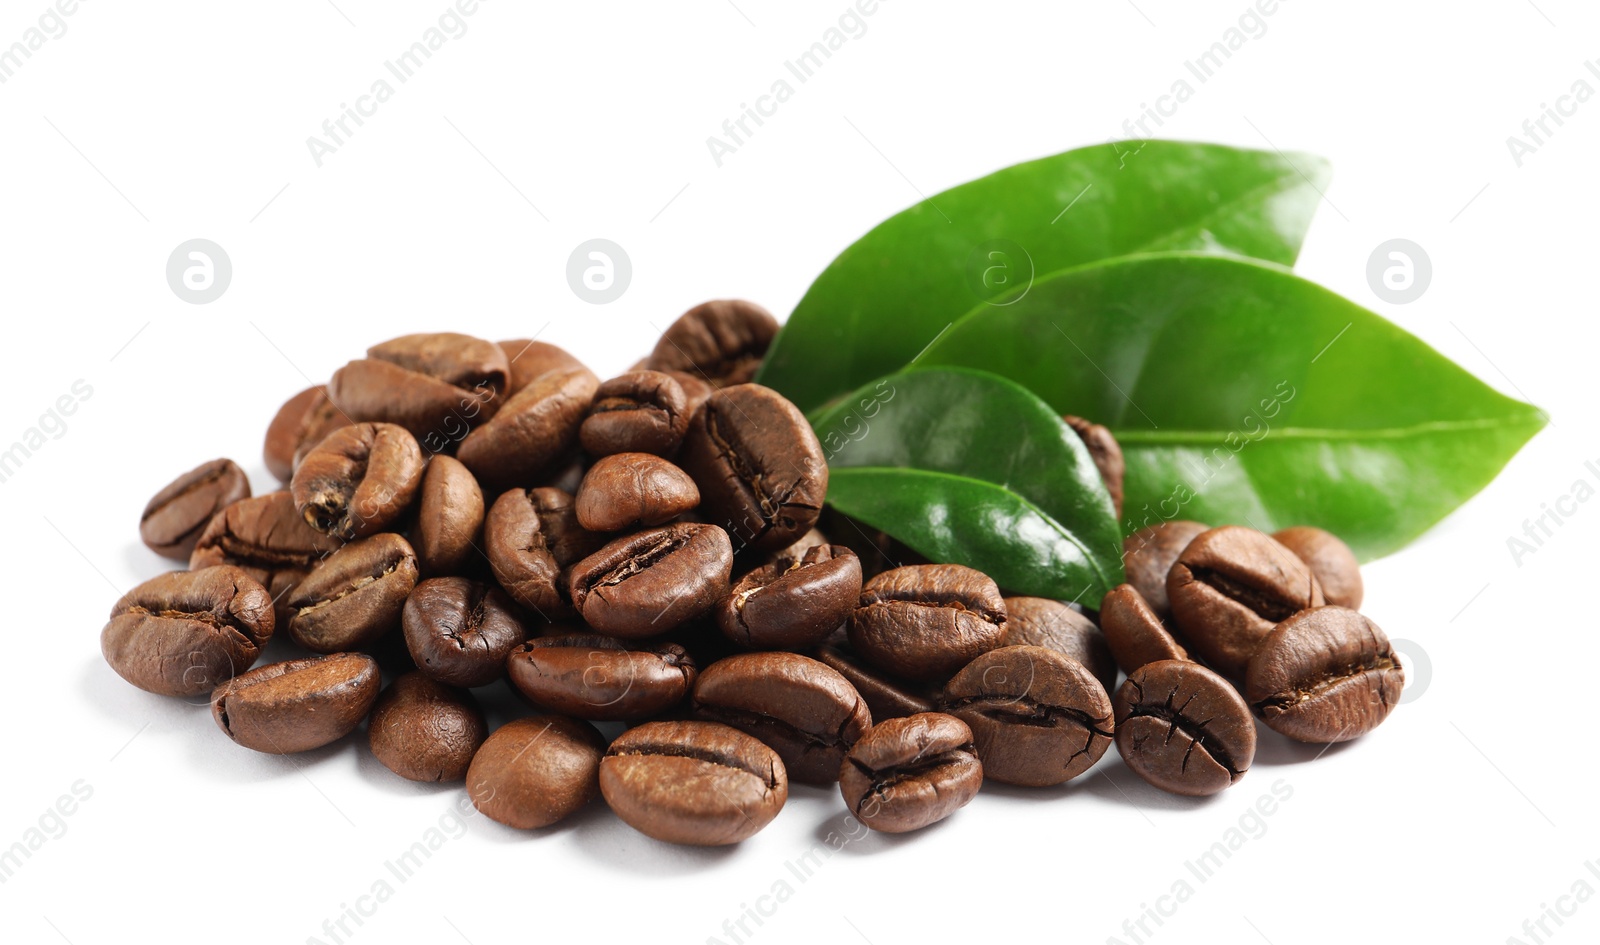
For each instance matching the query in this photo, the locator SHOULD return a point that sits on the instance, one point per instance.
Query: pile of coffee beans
(640, 561)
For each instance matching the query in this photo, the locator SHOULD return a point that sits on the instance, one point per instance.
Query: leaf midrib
(1170, 436)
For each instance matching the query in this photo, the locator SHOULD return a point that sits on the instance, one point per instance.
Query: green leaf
(1243, 394)
(891, 293)
(969, 468)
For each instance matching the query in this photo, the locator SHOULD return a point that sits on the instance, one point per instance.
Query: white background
(456, 207)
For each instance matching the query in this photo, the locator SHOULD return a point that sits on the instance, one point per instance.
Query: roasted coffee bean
(1183, 728)
(297, 705)
(423, 730)
(806, 712)
(759, 466)
(652, 581)
(1230, 587)
(908, 773)
(789, 605)
(438, 386)
(926, 621)
(266, 537)
(533, 433)
(449, 516)
(695, 391)
(1105, 452)
(529, 359)
(1037, 717)
(358, 480)
(626, 491)
(520, 554)
(354, 596)
(1149, 553)
(1134, 632)
(1037, 621)
(299, 425)
(1327, 674)
(534, 772)
(182, 633)
(589, 676)
(722, 341)
(639, 412)
(885, 696)
(459, 631)
(174, 518)
(1330, 559)
(697, 783)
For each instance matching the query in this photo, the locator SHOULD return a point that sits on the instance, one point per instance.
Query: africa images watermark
(50, 825)
(1537, 131)
(1552, 916)
(1552, 515)
(52, 25)
(739, 929)
(51, 425)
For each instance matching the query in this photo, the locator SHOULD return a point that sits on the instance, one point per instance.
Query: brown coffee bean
(1105, 452)
(631, 491)
(533, 432)
(268, 539)
(926, 621)
(534, 772)
(182, 633)
(1229, 588)
(885, 696)
(721, 341)
(459, 631)
(908, 773)
(695, 391)
(1037, 717)
(652, 581)
(529, 359)
(174, 518)
(1149, 553)
(423, 730)
(1134, 632)
(449, 517)
(697, 783)
(589, 676)
(519, 554)
(806, 712)
(1037, 621)
(297, 705)
(1331, 560)
(1183, 728)
(1326, 674)
(354, 596)
(300, 424)
(789, 605)
(438, 386)
(358, 480)
(639, 412)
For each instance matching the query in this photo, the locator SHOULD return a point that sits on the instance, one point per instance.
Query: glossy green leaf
(970, 468)
(892, 292)
(1243, 394)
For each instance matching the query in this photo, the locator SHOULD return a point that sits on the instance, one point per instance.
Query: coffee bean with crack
(297, 705)
(1324, 675)
(354, 596)
(1149, 553)
(633, 490)
(925, 621)
(534, 433)
(437, 385)
(790, 604)
(299, 425)
(459, 631)
(588, 676)
(887, 697)
(908, 773)
(529, 358)
(759, 466)
(267, 538)
(1037, 717)
(174, 517)
(1038, 621)
(184, 632)
(450, 513)
(638, 412)
(650, 582)
(521, 547)
(359, 480)
(1183, 728)
(721, 341)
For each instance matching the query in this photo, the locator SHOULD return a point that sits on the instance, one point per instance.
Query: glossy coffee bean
(533, 432)
(926, 621)
(697, 783)
(300, 424)
(184, 632)
(627, 491)
(358, 480)
(588, 676)
(174, 517)
(423, 730)
(650, 582)
(1134, 632)
(1037, 717)
(353, 596)
(908, 773)
(530, 358)
(520, 553)
(534, 772)
(1149, 553)
(1183, 728)
(450, 514)
(760, 469)
(639, 412)
(695, 391)
(1105, 452)
(297, 705)
(1229, 588)
(806, 712)
(1324, 675)
(722, 341)
(459, 631)
(1037, 621)
(789, 605)
(438, 386)
(1331, 560)
(268, 539)
(886, 697)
